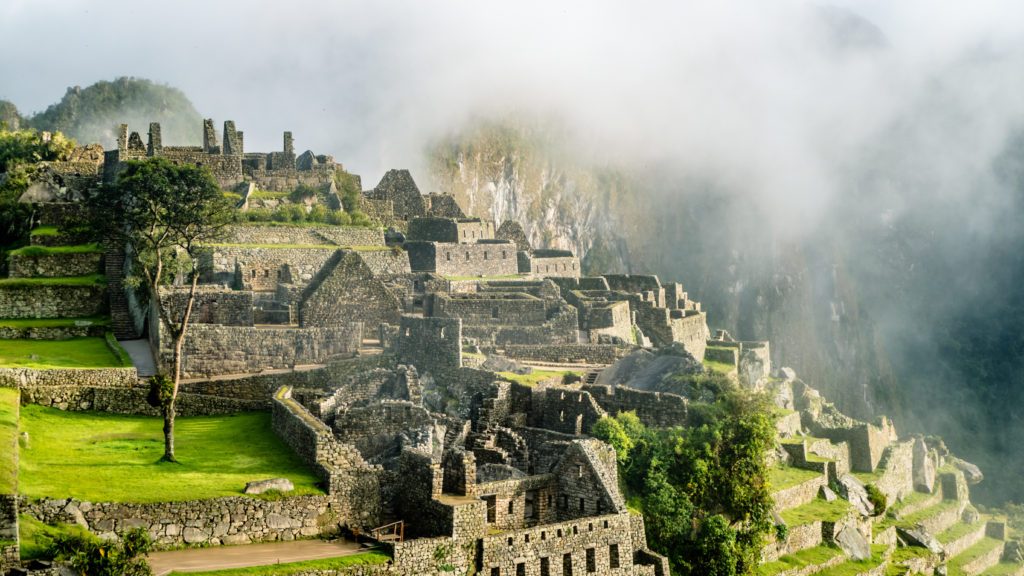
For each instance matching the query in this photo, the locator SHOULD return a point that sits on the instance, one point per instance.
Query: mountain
(91, 114)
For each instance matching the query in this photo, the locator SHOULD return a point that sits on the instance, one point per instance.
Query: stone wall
(133, 401)
(353, 485)
(568, 353)
(800, 494)
(212, 305)
(336, 235)
(576, 543)
(609, 320)
(567, 265)
(657, 409)
(430, 344)
(211, 349)
(52, 301)
(54, 265)
(373, 429)
(491, 308)
(262, 268)
(68, 377)
(896, 480)
(567, 410)
(81, 329)
(800, 537)
(231, 520)
(495, 258)
(347, 291)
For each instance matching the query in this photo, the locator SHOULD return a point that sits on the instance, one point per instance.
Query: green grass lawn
(782, 477)
(109, 457)
(44, 231)
(720, 367)
(49, 250)
(855, 567)
(36, 537)
(53, 322)
(817, 509)
(86, 352)
(9, 398)
(536, 376)
(809, 557)
(90, 280)
(957, 531)
(363, 558)
(956, 565)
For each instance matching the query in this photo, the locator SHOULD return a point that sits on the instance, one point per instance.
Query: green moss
(35, 536)
(1003, 569)
(817, 509)
(51, 250)
(780, 478)
(916, 517)
(110, 457)
(341, 562)
(90, 280)
(86, 352)
(9, 399)
(44, 231)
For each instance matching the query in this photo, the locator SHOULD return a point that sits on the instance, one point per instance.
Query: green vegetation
(85, 352)
(817, 509)
(957, 531)
(89, 555)
(877, 499)
(48, 250)
(297, 214)
(268, 195)
(1003, 569)
(536, 376)
(90, 280)
(985, 546)
(349, 190)
(856, 567)
(37, 537)
(20, 153)
(782, 477)
(720, 367)
(44, 231)
(810, 557)
(9, 399)
(88, 113)
(703, 489)
(108, 457)
(920, 515)
(361, 559)
(53, 322)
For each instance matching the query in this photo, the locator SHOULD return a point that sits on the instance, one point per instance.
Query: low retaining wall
(52, 332)
(568, 353)
(55, 265)
(231, 520)
(69, 377)
(52, 301)
(133, 401)
(798, 495)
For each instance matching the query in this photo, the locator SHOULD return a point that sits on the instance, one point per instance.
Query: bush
(93, 557)
(338, 218)
(302, 193)
(877, 498)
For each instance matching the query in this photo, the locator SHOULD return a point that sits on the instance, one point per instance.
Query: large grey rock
(853, 543)
(827, 493)
(971, 472)
(970, 515)
(853, 490)
(193, 535)
(786, 373)
(918, 536)
(502, 364)
(923, 467)
(76, 515)
(261, 486)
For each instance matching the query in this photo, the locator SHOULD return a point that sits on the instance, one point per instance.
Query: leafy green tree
(163, 212)
(91, 556)
(348, 189)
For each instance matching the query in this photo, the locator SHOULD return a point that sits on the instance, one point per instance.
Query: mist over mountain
(843, 179)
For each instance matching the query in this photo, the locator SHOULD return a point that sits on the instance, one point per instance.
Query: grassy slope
(50, 250)
(35, 536)
(536, 376)
(782, 477)
(90, 352)
(9, 399)
(372, 557)
(106, 457)
(91, 280)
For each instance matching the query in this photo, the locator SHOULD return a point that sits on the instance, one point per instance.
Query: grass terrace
(720, 367)
(920, 515)
(268, 194)
(782, 477)
(339, 563)
(802, 559)
(87, 352)
(856, 567)
(985, 546)
(90, 280)
(279, 246)
(35, 536)
(959, 530)
(533, 378)
(53, 322)
(9, 399)
(50, 250)
(817, 509)
(110, 457)
(44, 231)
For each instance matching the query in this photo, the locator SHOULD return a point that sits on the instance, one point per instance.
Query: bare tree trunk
(179, 343)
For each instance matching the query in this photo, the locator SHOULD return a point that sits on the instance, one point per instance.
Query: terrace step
(976, 559)
(960, 537)
(816, 560)
(1005, 569)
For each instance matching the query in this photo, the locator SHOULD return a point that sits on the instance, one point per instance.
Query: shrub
(338, 218)
(877, 498)
(94, 557)
(302, 192)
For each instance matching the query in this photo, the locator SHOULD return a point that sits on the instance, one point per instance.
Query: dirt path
(224, 557)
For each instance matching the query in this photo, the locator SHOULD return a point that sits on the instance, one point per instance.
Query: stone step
(936, 518)
(976, 559)
(961, 536)
(816, 560)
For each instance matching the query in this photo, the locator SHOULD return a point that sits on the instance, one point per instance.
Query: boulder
(261, 486)
(193, 535)
(786, 373)
(853, 490)
(502, 364)
(853, 543)
(971, 472)
(827, 493)
(923, 467)
(970, 515)
(918, 536)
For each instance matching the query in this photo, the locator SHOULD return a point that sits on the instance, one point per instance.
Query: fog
(814, 114)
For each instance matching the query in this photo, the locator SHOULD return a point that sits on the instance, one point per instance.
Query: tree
(163, 212)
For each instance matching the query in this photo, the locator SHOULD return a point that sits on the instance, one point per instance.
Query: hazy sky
(773, 97)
